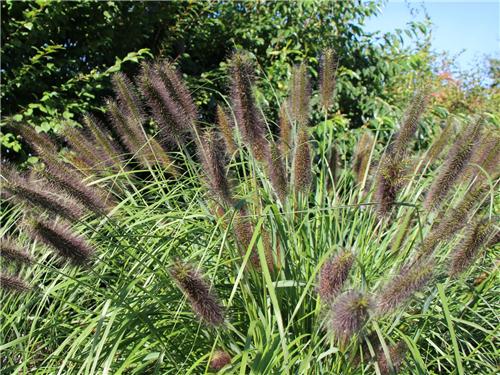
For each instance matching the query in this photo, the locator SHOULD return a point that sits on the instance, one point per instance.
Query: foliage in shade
(211, 150)
(199, 293)
(327, 81)
(333, 275)
(14, 252)
(454, 165)
(14, 284)
(467, 251)
(248, 117)
(220, 359)
(349, 313)
(302, 168)
(403, 286)
(58, 236)
(300, 95)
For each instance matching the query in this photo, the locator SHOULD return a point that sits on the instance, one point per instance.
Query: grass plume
(58, 236)
(454, 165)
(327, 80)
(201, 297)
(248, 117)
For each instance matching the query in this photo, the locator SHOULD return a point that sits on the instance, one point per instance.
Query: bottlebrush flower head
(169, 100)
(212, 157)
(410, 122)
(128, 99)
(13, 284)
(302, 168)
(457, 217)
(40, 195)
(300, 94)
(285, 130)
(333, 275)
(219, 360)
(277, 172)
(173, 82)
(327, 80)
(59, 236)
(226, 129)
(454, 166)
(13, 251)
(389, 180)
(248, 117)
(201, 297)
(103, 141)
(467, 251)
(349, 313)
(403, 286)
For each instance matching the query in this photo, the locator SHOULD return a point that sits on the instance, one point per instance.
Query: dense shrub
(57, 57)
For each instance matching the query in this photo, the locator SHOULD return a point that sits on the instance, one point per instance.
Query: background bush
(57, 57)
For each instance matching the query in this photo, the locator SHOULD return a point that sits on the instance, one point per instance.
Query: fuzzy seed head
(243, 230)
(277, 173)
(39, 195)
(441, 142)
(226, 129)
(468, 249)
(350, 311)
(248, 116)
(327, 81)
(402, 287)
(285, 130)
(300, 94)
(389, 181)
(453, 167)
(362, 156)
(302, 162)
(213, 159)
(68, 245)
(12, 251)
(410, 122)
(219, 360)
(13, 284)
(334, 274)
(201, 297)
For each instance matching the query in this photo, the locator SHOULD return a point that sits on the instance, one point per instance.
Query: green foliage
(57, 56)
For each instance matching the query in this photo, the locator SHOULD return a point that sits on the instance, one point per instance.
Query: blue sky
(473, 26)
